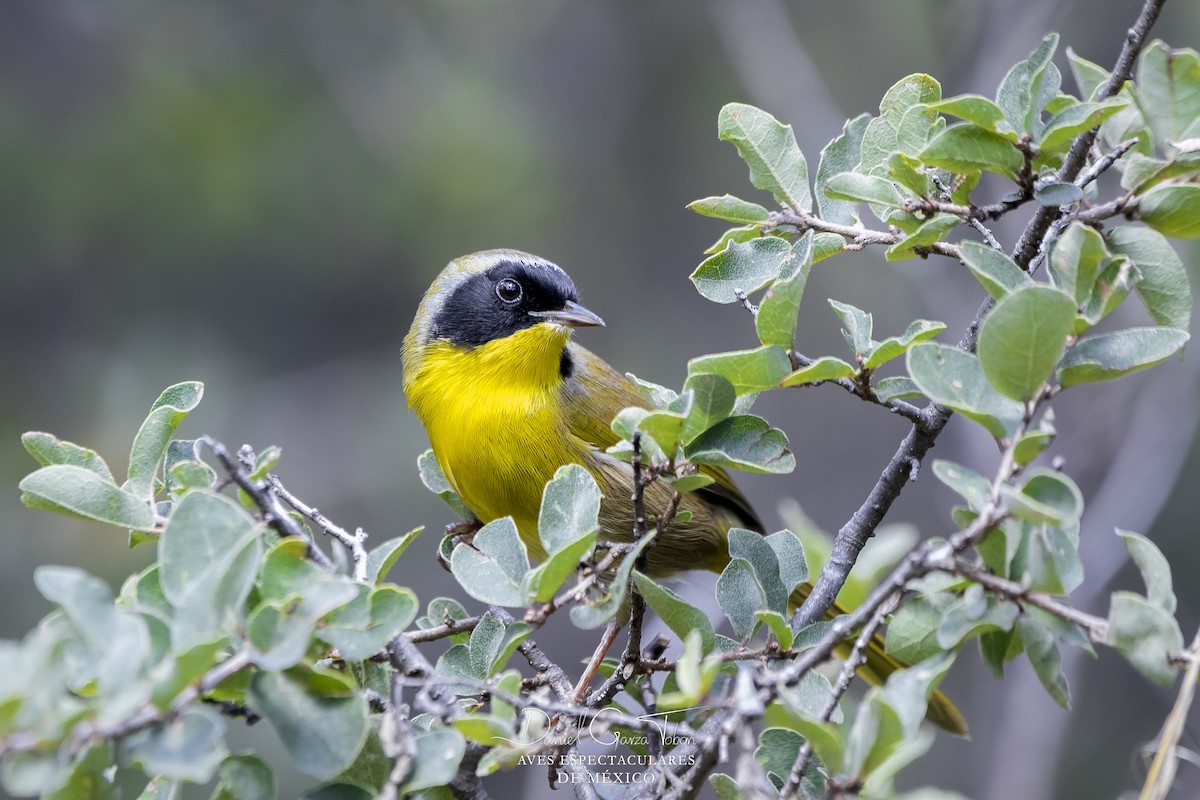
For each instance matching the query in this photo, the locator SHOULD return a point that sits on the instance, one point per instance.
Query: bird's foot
(463, 531)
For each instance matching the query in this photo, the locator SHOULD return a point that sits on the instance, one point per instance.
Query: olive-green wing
(596, 393)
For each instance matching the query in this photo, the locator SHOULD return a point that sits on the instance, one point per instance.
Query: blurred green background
(257, 194)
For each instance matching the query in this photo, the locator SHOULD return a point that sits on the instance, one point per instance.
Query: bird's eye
(508, 290)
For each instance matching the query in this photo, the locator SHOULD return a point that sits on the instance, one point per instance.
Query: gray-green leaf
(1022, 339)
(996, 272)
(730, 208)
(780, 305)
(675, 612)
(1164, 286)
(1111, 355)
(743, 442)
(77, 490)
(770, 149)
(955, 379)
(745, 267)
(748, 370)
(1156, 571)
(492, 567)
(49, 449)
(1145, 634)
(322, 733)
(150, 443)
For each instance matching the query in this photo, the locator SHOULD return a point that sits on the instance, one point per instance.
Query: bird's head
(497, 298)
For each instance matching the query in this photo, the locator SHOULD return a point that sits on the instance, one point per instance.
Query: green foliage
(319, 718)
(746, 370)
(600, 610)
(435, 481)
(956, 379)
(769, 148)
(744, 267)
(76, 481)
(1035, 341)
(492, 568)
(677, 614)
(760, 576)
(219, 610)
(743, 442)
(1110, 355)
(1022, 340)
(568, 526)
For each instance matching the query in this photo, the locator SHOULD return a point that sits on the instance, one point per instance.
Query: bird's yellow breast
(494, 415)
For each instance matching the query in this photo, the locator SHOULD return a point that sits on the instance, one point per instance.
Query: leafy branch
(243, 613)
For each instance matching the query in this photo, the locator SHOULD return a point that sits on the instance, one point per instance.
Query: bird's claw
(455, 532)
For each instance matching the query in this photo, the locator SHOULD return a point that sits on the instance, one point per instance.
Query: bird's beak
(571, 314)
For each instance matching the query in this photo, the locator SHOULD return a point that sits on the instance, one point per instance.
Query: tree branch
(273, 511)
(442, 631)
(1095, 627)
(1035, 240)
(861, 526)
(352, 542)
(1035, 232)
(858, 237)
(856, 658)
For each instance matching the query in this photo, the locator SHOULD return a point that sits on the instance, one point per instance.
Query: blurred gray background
(256, 195)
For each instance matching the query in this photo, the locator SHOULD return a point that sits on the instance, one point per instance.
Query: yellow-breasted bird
(507, 398)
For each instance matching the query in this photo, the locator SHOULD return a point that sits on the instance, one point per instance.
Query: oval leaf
(730, 208)
(746, 267)
(955, 379)
(1164, 287)
(769, 148)
(150, 443)
(1111, 355)
(492, 567)
(323, 734)
(744, 442)
(1022, 339)
(748, 370)
(80, 491)
(1173, 210)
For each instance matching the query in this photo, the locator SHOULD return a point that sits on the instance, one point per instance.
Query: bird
(507, 396)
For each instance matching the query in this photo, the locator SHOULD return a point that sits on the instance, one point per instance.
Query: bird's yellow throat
(493, 414)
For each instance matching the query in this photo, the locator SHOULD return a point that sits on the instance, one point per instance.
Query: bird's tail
(879, 665)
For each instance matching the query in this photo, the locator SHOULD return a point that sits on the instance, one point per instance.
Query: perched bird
(507, 397)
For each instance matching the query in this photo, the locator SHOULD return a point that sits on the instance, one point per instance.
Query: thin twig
(744, 299)
(897, 407)
(977, 215)
(616, 551)
(450, 628)
(228, 708)
(599, 720)
(269, 504)
(352, 542)
(1125, 204)
(856, 658)
(628, 666)
(1162, 768)
(1095, 627)
(857, 236)
(438, 699)
(1102, 164)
